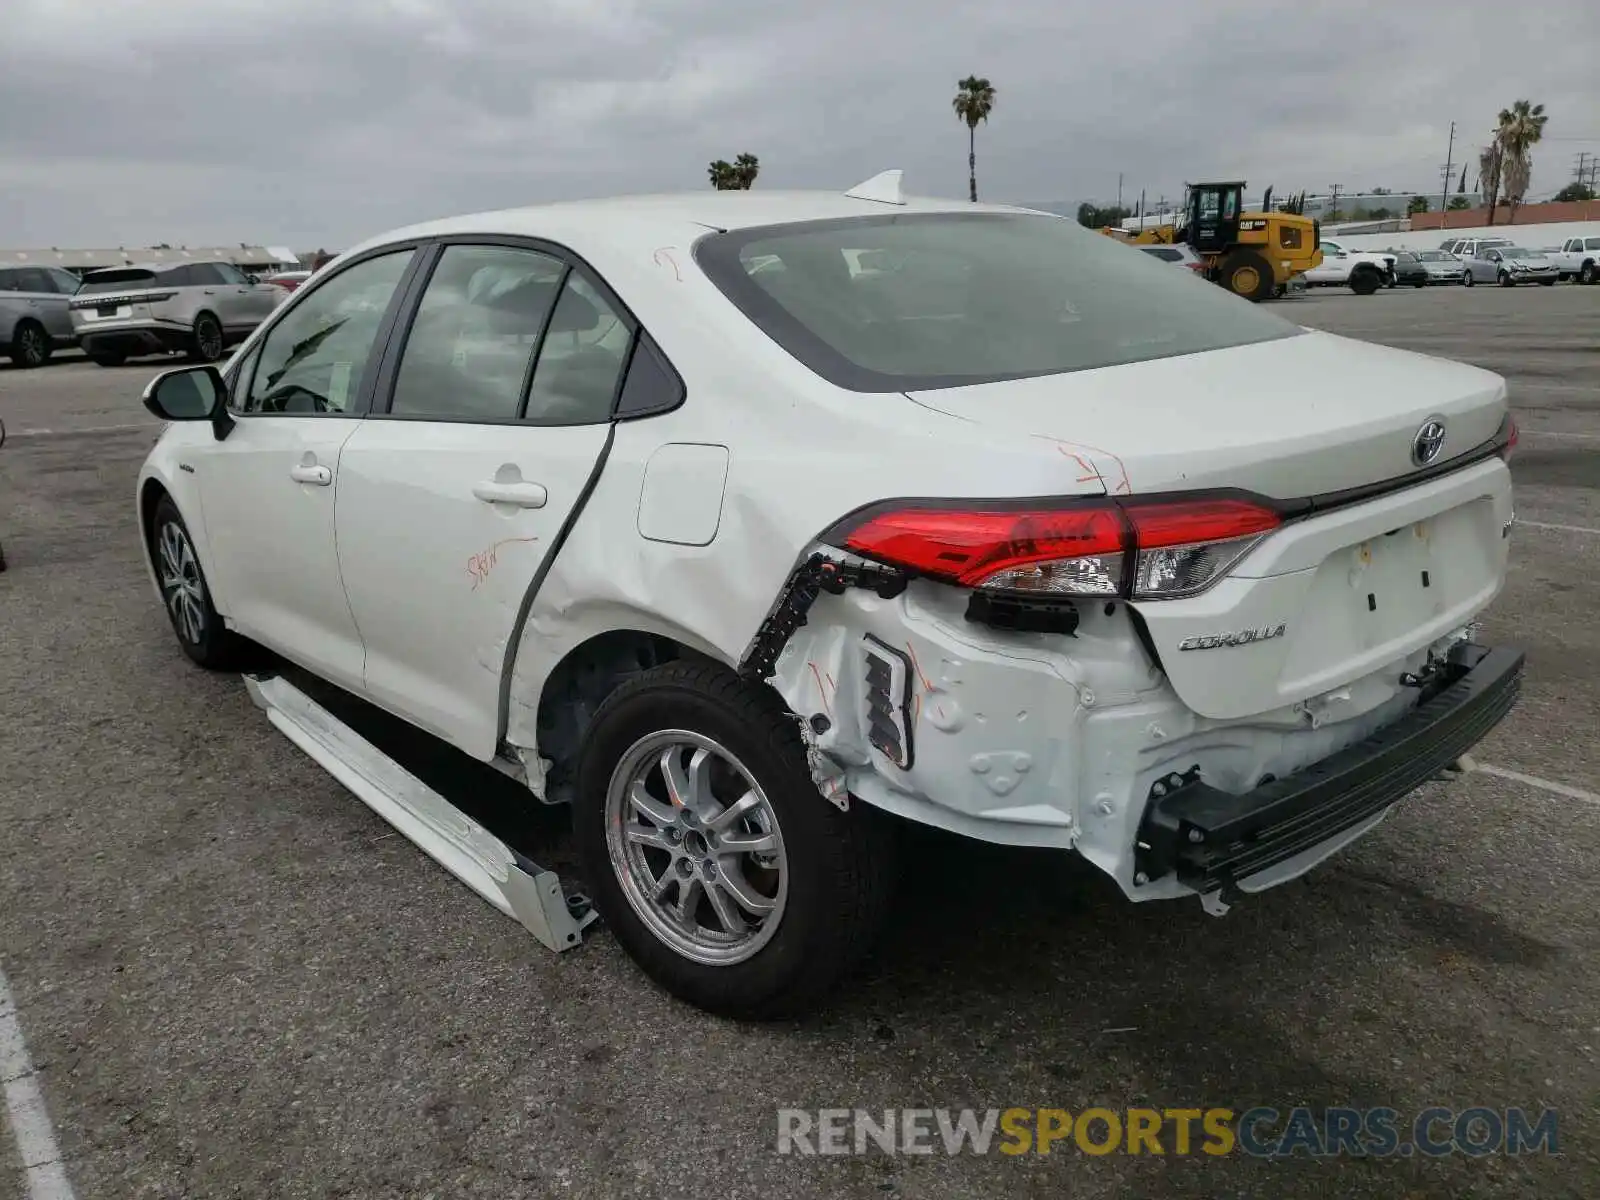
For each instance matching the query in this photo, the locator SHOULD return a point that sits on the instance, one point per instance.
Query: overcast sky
(316, 122)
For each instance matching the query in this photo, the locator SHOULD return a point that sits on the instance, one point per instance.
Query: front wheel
(1364, 281)
(712, 856)
(186, 596)
(1506, 280)
(1587, 273)
(1466, 278)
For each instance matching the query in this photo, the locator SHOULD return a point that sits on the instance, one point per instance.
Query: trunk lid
(1333, 596)
(1299, 416)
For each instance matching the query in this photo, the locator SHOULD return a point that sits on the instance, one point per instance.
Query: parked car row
(1467, 261)
(196, 308)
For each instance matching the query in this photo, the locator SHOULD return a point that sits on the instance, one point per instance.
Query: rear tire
(1587, 273)
(1364, 280)
(1245, 273)
(206, 345)
(30, 345)
(186, 596)
(824, 875)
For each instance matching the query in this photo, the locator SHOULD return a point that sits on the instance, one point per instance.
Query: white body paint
(397, 583)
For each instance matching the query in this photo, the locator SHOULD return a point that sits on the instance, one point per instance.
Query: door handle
(311, 473)
(523, 495)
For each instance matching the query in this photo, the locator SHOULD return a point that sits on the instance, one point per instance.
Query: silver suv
(200, 308)
(33, 312)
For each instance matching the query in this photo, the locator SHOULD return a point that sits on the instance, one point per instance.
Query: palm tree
(1519, 129)
(736, 176)
(973, 103)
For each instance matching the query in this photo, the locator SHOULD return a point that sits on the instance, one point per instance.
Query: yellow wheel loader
(1252, 254)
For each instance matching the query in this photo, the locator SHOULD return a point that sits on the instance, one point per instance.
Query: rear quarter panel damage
(800, 454)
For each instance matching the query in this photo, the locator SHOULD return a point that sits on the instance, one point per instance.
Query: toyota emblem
(1429, 441)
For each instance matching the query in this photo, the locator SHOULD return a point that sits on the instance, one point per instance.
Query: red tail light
(1512, 438)
(1142, 548)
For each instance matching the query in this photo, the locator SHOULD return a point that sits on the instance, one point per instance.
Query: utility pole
(1583, 168)
(1449, 169)
(1119, 189)
(1333, 204)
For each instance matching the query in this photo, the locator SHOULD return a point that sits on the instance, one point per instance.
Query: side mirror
(191, 394)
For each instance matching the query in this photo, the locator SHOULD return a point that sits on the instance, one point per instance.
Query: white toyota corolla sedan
(754, 525)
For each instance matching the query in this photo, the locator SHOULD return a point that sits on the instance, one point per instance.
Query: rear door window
(475, 334)
(580, 364)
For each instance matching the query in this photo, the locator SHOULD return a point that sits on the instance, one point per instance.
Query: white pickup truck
(1578, 258)
(1364, 272)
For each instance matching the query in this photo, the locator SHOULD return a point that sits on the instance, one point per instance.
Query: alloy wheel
(209, 338)
(181, 586)
(695, 844)
(32, 345)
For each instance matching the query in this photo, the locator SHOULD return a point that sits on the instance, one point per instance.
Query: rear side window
(118, 281)
(1592, 244)
(179, 277)
(963, 298)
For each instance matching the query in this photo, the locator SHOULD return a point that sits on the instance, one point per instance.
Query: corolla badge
(1237, 637)
(1427, 443)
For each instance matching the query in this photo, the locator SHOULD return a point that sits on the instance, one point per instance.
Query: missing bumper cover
(1211, 838)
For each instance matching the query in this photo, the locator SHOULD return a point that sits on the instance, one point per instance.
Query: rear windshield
(116, 281)
(951, 299)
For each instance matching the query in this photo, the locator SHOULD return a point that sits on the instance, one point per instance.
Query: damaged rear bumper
(1213, 840)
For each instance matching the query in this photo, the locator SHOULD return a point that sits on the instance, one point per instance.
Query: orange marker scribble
(821, 691)
(918, 667)
(480, 564)
(666, 253)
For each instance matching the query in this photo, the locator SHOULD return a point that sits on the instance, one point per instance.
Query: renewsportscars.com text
(1259, 1132)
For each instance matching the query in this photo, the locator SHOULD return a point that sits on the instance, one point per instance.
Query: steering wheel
(280, 397)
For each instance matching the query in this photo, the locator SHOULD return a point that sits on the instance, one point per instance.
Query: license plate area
(1382, 592)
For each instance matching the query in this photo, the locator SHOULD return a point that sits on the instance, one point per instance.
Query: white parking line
(1533, 781)
(37, 433)
(43, 1172)
(1520, 523)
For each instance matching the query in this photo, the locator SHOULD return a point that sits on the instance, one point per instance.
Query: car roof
(665, 217)
(153, 266)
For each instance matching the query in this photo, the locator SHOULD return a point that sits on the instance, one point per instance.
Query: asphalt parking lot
(235, 981)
